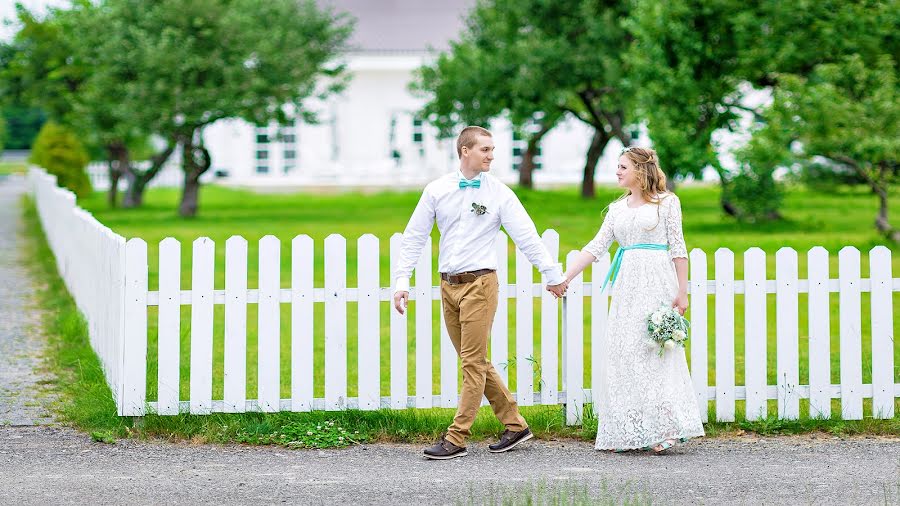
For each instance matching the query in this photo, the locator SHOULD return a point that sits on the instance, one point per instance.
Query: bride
(647, 401)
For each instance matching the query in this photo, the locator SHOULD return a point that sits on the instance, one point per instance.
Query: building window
(635, 134)
(290, 154)
(288, 138)
(262, 154)
(262, 138)
(418, 135)
(262, 169)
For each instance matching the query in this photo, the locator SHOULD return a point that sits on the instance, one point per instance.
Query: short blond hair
(469, 136)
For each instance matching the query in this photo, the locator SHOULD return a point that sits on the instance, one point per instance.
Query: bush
(60, 153)
(2, 133)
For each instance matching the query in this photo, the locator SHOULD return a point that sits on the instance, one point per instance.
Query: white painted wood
(449, 367)
(599, 321)
(573, 337)
(724, 260)
(235, 382)
(851, 335)
(882, 333)
(550, 331)
(269, 325)
(134, 351)
(524, 330)
(335, 322)
(500, 328)
(202, 269)
(169, 342)
(819, 334)
(423, 279)
(369, 323)
(399, 359)
(302, 323)
(699, 336)
(787, 334)
(755, 335)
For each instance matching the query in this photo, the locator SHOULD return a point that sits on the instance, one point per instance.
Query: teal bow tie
(474, 183)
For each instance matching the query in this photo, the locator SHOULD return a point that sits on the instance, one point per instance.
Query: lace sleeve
(674, 233)
(600, 244)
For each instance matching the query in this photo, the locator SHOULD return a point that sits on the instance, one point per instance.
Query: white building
(371, 131)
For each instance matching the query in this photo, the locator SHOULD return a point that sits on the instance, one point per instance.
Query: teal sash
(617, 260)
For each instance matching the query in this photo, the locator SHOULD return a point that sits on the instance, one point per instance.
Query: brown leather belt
(464, 277)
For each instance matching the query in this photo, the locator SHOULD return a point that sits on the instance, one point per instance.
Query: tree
(2, 133)
(60, 153)
(207, 60)
(847, 113)
(536, 61)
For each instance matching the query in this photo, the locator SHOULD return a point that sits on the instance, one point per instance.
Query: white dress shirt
(467, 238)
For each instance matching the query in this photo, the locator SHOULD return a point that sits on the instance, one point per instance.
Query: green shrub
(60, 153)
(2, 133)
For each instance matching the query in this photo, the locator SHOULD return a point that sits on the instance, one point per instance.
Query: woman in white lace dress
(646, 401)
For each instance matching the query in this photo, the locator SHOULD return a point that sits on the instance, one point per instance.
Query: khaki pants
(469, 311)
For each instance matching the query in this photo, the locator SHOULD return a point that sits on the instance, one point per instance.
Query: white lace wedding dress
(644, 398)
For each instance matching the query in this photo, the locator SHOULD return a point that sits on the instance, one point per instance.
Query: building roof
(403, 26)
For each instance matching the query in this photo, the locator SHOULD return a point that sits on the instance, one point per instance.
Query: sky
(8, 12)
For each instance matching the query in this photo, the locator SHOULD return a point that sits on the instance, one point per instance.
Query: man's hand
(558, 290)
(400, 300)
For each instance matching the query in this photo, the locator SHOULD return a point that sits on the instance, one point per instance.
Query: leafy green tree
(2, 133)
(535, 61)
(846, 115)
(60, 153)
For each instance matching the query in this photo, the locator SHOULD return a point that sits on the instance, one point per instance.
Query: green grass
(811, 219)
(12, 168)
(831, 220)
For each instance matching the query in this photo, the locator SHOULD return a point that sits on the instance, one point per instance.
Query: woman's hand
(681, 302)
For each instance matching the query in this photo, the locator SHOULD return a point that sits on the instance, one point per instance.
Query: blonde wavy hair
(649, 174)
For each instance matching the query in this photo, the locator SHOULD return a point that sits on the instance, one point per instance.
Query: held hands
(401, 299)
(558, 290)
(681, 302)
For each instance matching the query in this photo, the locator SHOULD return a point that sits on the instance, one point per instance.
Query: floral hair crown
(630, 149)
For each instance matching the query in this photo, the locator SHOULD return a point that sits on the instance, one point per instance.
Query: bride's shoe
(663, 447)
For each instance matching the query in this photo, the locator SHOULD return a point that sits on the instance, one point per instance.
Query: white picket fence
(108, 277)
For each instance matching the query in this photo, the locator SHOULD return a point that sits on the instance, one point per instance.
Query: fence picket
(573, 344)
(399, 356)
(169, 341)
(819, 334)
(134, 349)
(882, 333)
(302, 323)
(524, 330)
(423, 328)
(787, 334)
(335, 322)
(755, 335)
(851, 335)
(699, 340)
(599, 317)
(369, 323)
(724, 259)
(269, 325)
(235, 392)
(202, 268)
(550, 331)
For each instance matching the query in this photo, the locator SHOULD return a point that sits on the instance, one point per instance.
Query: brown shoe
(444, 450)
(509, 440)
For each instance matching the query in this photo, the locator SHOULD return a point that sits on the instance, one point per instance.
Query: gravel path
(40, 465)
(23, 395)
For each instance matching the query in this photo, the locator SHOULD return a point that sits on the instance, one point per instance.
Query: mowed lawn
(831, 220)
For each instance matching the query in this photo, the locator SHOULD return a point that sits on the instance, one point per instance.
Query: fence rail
(108, 278)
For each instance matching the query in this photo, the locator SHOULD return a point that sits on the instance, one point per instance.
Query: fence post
(133, 338)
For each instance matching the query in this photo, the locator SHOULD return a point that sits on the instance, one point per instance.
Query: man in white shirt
(469, 206)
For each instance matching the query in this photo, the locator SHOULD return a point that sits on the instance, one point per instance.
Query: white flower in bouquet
(669, 344)
(657, 318)
(679, 335)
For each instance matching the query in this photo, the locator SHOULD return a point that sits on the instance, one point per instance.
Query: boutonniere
(478, 209)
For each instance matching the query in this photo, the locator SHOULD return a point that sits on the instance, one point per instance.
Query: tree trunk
(598, 143)
(190, 196)
(138, 181)
(115, 153)
(196, 161)
(526, 168)
(134, 195)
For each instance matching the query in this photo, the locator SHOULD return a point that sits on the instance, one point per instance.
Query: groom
(469, 206)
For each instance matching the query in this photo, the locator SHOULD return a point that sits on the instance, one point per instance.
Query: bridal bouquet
(668, 328)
